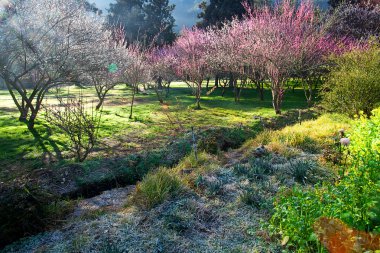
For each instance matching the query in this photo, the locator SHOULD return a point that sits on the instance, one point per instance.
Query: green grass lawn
(152, 125)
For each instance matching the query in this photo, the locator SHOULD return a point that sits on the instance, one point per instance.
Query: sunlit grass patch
(310, 136)
(151, 127)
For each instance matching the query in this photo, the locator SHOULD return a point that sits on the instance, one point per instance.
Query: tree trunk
(239, 94)
(167, 90)
(308, 90)
(198, 103)
(224, 91)
(198, 94)
(235, 93)
(132, 102)
(159, 83)
(208, 81)
(159, 97)
(100, 103)
(32, 120)
(232, 80)
(217, 80)
(276, 101)
(23, 115)
(260, 89)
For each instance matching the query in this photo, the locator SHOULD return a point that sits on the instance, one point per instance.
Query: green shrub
(353, 85)
(155, 188)
(354, 199)
(294, 215)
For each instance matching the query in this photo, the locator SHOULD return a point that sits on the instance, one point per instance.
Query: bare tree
(77, 123)
(109, 60)
(45, 49)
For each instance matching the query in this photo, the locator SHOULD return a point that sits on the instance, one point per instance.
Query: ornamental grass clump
(155, 188)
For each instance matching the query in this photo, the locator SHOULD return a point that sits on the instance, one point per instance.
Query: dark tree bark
(232, 80)
(260, 89)
(167, 90)
(134, 91)
(198, 94)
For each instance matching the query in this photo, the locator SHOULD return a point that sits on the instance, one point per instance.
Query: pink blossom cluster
(274, 44)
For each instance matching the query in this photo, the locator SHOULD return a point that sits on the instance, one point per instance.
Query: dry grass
(311, 136)
(190, 168)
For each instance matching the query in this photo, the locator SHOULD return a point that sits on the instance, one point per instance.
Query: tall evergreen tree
(92, 8)
(146, 21)
(218, 11)
(159, 21)
(130, 15)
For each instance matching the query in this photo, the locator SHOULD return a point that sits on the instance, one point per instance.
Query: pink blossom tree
(288, 40)
(225, 56)
(137, 72)
(191, 53)
(162, 64)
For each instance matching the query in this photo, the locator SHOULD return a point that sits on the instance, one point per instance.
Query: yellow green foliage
(311, 136)
(353, 84)
(190, 168)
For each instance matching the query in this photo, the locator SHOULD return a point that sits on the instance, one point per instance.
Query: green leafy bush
(295, 212)
(155, 188)
(354, 199)
(353, 85)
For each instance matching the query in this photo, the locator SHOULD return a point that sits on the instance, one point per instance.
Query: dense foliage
(353, 199)
(353, 84)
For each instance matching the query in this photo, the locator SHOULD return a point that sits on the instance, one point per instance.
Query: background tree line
(146, 21)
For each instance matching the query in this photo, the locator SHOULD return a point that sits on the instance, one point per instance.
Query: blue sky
(185, 12)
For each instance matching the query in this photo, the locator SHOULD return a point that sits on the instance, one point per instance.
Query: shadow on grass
(17, 141)
(52, 143)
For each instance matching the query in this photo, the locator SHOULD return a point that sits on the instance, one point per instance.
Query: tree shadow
(41, 141)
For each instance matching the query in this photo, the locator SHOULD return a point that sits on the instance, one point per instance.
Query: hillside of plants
(255, 130)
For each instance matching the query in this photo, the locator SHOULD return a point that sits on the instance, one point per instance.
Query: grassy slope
(219, 207)
(151, 126)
